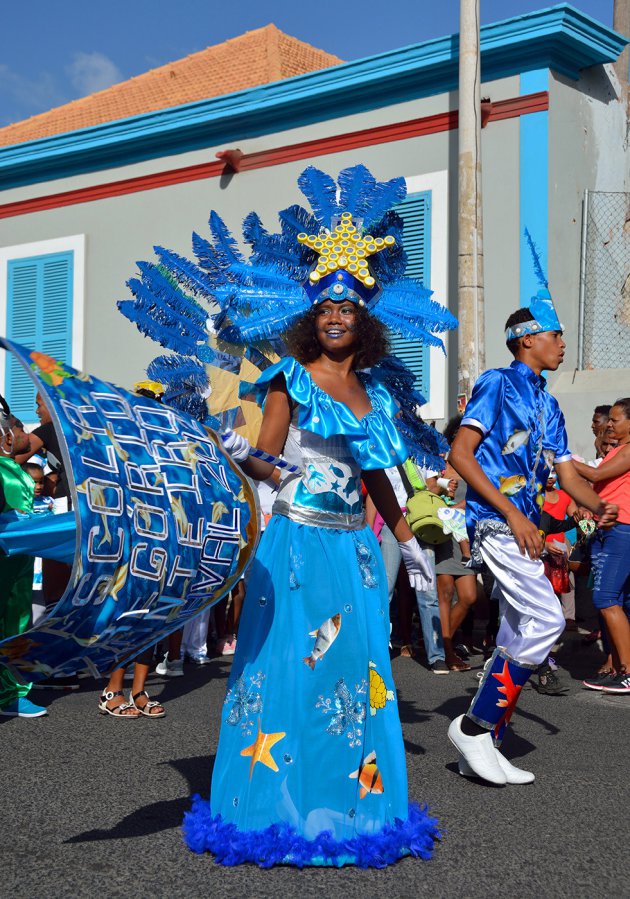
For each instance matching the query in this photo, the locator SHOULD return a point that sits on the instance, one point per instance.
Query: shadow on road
(165, 814)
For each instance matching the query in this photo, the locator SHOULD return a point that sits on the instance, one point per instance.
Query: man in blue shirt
(511, 435)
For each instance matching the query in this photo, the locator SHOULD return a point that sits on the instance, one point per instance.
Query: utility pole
(471, 360)
(621, 24)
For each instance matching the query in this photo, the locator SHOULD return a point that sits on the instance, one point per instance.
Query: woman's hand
(235, 445)
(555, 550)
(608, 515)
(419, 568)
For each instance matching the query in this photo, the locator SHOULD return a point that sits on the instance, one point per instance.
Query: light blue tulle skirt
(310, 767)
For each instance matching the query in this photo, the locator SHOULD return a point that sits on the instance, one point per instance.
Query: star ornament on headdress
(260, 750)
(344, 248)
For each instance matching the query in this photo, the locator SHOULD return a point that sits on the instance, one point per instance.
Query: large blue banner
(166, 524)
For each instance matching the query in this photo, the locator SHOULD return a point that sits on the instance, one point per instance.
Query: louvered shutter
(39, 316)
(415, 212)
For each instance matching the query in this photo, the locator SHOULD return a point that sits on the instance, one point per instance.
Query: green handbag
(422, 509)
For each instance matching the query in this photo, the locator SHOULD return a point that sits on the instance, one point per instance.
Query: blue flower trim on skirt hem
(281, 844)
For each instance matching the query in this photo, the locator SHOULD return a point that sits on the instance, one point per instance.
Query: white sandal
(119, 710)
(146, 708)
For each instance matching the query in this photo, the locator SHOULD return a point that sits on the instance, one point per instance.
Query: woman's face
(42, 409)
(618, 425)
(335, 325)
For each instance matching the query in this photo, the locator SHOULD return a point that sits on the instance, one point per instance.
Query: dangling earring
(5, 434)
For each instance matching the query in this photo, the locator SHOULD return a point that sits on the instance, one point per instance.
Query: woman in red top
(611, 549)
(559, 506)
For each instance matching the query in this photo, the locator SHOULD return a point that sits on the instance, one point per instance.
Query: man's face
(14, 440)
(547, 349)
(20, 440)
(599, 423)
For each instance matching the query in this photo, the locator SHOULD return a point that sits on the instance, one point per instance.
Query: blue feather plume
(164, 291)
(295, 219)
(321, 192)
(152, 303)
(186, 382)
(538, 269)
(263, 325)
(385, 195)
(425, 445)
(366, 198)
(253, 229)
(225, 248)
(407, 308)
(204, 251)
(390, 264)
(166, 334)
(356, 186)
(290, 258)
(186, 272)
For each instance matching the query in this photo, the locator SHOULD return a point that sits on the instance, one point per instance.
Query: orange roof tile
(254, 58)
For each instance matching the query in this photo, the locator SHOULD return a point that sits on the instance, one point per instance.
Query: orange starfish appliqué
(260, 751)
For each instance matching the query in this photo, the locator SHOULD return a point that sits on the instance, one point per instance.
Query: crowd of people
(448, 628)
(356, 535)
(443, 605)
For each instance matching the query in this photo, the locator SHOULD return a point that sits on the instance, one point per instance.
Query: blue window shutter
(415, 212)
(39, 316)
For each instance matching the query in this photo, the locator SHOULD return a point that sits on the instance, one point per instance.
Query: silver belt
(318, 518)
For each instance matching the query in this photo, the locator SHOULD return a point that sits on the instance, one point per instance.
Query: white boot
(514, 775)
(478, 752)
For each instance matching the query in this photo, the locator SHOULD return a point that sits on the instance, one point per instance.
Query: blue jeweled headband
(545, 318)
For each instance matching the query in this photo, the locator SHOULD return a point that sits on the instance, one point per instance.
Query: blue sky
(54, 52)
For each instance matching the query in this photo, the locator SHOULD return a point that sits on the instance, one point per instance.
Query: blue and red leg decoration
(496, 698)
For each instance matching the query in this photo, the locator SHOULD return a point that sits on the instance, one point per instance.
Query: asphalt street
(92, 806)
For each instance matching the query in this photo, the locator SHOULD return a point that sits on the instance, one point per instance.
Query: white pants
(195, 634)
(531, 616)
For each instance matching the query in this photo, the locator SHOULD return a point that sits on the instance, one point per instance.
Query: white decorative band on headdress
(522, 328)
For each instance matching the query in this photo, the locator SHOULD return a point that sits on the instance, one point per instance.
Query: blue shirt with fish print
(523, 437)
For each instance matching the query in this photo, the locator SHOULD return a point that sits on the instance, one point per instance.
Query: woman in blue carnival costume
(310, 767)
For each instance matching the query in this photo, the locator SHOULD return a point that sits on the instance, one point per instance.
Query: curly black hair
(372, 339)
(522, 315)
(452, 427)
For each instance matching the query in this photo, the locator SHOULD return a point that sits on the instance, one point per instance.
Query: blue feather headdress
(349, 246)
(544, 315)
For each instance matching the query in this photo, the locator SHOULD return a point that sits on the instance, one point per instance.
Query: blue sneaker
(23, 708)
(201, 659)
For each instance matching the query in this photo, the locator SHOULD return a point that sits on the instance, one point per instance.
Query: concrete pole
(470, 224)
(621, 24)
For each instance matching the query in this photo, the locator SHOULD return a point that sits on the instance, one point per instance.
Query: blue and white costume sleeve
(310, 767)
(523, 437)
